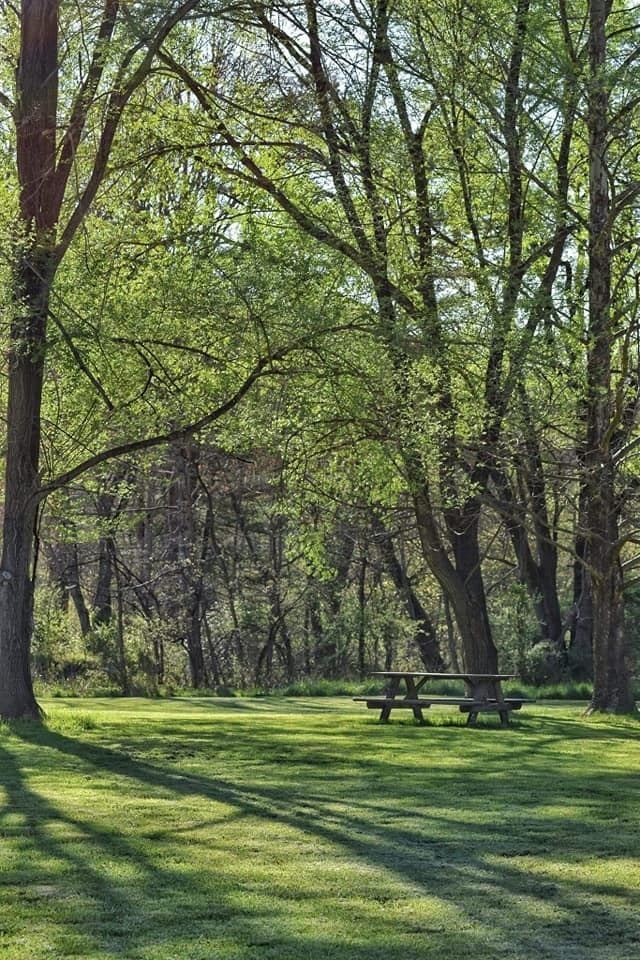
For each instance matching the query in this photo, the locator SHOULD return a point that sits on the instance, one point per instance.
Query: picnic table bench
(483, 694)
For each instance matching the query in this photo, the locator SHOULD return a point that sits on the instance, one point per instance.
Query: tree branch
(80, 362)
(115, 107)
(84, 99)
(263, 368)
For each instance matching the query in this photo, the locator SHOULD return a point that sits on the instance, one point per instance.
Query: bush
(539, 664)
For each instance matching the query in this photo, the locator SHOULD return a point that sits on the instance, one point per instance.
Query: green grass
(209, 829)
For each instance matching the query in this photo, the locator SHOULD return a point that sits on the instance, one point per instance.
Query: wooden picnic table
(483, 694)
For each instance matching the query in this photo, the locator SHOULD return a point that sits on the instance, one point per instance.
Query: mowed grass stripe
(206, 828)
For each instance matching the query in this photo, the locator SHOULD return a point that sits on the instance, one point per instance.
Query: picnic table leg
(477, 690)
(504, 712)
(392, 691)
(412, 694)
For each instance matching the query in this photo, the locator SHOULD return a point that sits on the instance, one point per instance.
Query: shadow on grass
(263, 704)
(426, 829)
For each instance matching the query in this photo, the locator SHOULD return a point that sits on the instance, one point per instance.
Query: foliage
(354, 245)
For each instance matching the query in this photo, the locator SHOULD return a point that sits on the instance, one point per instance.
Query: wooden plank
(514, 702)
(465, 703)
(411, 702)
(492, 704)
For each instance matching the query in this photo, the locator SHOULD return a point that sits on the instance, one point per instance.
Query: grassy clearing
(281, 829)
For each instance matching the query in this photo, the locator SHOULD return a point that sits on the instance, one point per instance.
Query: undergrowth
(567, 691)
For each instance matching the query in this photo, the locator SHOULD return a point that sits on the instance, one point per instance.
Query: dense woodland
(321, 334)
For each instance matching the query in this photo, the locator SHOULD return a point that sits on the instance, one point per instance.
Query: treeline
(323, 344)
(201, 568)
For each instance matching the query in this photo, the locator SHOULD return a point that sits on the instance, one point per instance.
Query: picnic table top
(466, 675)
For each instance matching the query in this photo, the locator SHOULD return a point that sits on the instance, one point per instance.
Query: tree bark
(362, 617)
(581, 621)
(425, 634)
(612, 688)
(123, 669)
(33, 275)
(26, 373)
(462, 583)
(194, 645)
(537, 574)
(103, 595)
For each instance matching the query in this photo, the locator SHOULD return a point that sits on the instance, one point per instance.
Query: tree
(51, 211)
(605, 426)
(364, 148)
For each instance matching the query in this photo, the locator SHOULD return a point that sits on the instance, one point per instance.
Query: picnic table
(482, 694)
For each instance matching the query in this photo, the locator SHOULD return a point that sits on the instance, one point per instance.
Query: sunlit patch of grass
(231, 829)
(70, 722)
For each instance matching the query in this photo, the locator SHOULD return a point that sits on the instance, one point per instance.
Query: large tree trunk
(539, 576)
(35, 268)
(611, 674)
(581, 621)
(470, 604)
(26, 363)
(462, 583)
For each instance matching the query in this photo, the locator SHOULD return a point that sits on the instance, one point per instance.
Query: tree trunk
(194, 647)
(612, 689)
(26, 368)
(35, 268)
(425, 634)
(539, 578)
(581, 622)
(469, 603)
(313, 631)
(327, 653)
(103, 599)
(451, 636)
(462, 583)
(216, 670)
(546, 567)
(123, 669)
(64, 568)
(286, 651)
(362, 617)
(44, 163)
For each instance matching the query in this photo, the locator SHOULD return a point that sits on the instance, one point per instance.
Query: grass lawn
(202, 829)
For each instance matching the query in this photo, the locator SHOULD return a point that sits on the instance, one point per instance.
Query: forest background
(321, 327)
